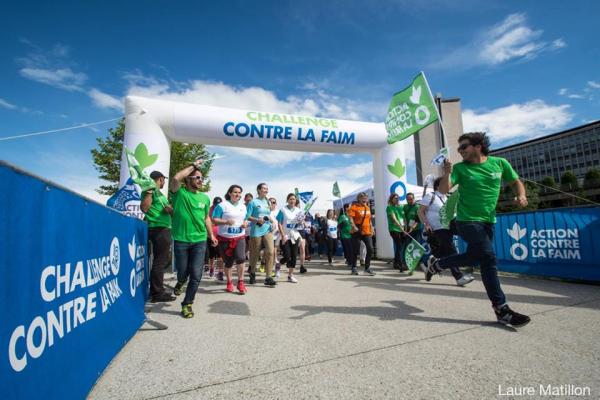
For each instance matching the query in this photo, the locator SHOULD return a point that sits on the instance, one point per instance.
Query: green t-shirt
(399, 213)
(345, 226)
(479, 188)
(410, 214)
(156, 216)
(189, 212)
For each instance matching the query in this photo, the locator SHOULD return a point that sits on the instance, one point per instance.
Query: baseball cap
(156, 174)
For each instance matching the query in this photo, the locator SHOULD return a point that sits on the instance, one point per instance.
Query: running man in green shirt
(158, 213)
(479, 177)
(191, 228)
(345, 232)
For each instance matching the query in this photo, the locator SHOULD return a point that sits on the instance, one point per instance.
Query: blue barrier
(555, 243)
(73, 287)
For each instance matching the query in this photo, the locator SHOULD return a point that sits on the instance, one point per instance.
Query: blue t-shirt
(258, 208)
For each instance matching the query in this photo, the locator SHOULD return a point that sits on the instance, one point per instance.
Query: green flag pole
(437, 110)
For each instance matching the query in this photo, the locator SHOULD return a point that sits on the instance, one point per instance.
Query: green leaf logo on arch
(397, 168)
(143, 158)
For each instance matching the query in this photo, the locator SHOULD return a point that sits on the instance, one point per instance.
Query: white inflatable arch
(156, 123)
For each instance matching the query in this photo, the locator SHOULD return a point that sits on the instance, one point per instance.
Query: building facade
(576, 150)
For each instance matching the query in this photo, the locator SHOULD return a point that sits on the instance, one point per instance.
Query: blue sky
(522, 69)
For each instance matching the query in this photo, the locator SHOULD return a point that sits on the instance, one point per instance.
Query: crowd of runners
(256, 234)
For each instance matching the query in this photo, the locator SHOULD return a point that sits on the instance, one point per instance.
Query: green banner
(448, 210)
(336, 190)
(138, 175)
(410, 110)
(412, 254)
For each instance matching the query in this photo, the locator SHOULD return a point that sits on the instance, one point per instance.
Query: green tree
(107, 158)
(568, 182)
(591, 179)
(507, 198)
(549, 182)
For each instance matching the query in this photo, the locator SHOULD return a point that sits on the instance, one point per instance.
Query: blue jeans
(480, 250)
(189, 258)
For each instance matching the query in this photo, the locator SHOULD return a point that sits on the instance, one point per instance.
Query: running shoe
(273, 274)
(277, 274)
(229, 287)
(186, 311)
(368, 271)
(206, 268)
(241, 287)
(432, 268)
(354, 271)
(292, 279)
(220, 276)
(211, 272)
(270, 281)
(465, 280)
(506, 316)
(164, 297)
(303, 270)
(252, 280)
(178, 288)
(262, 268)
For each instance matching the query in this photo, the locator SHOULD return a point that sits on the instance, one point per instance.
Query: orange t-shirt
(361, 215)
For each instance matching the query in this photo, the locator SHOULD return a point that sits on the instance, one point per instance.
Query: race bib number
(232, 230)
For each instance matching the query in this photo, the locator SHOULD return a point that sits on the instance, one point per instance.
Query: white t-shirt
(288, 220)
(332, 228)
(225, 210)
(433, 208)
(275, 227)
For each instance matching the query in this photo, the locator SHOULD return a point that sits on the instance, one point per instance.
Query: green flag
(336, 190)
(448, 210)
(412, 254)
(137, 173)
(410, 110)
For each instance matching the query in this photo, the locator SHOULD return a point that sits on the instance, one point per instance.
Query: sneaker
(178, 288)
(220, 276)
(465, 280)
(369, 272)
(303, 270)
(241, 287)
(211, 272)
(252, 280)
(277, 274)
(262, 268)
(270, 281)
(186, 311)
(292, 279)
(206, 268)
(362, 263)
(164, 297)
(506, 316)
(432, 268)
(354, 271)
(273, 274)
(229, 287)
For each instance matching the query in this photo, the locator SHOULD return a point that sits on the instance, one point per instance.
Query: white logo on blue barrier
(136, 253)
(555, 244)
(518, 250)
(115, 256)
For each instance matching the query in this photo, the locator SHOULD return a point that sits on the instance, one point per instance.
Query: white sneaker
(277, 274)
(292, 279)
(465, 280)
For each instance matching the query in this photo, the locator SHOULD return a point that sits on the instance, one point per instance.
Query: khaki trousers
(268, 254)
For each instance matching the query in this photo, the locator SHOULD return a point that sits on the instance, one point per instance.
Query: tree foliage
(591, 179)
(107, 159)
(568, 181)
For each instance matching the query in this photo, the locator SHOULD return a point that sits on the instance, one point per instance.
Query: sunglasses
(195, 178)
(463, 146)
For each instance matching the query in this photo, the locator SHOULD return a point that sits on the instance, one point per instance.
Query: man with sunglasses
(479, 177)
(192, 227)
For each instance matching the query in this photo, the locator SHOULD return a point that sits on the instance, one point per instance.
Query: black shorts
(213, 251)
(238, 256)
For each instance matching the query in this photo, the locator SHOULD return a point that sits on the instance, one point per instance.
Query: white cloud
(6, 104)
(575, 96)
(511, 39)
(594, 84)
(104, 100)
(563, 91)
(531, 119)
(62, 78)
